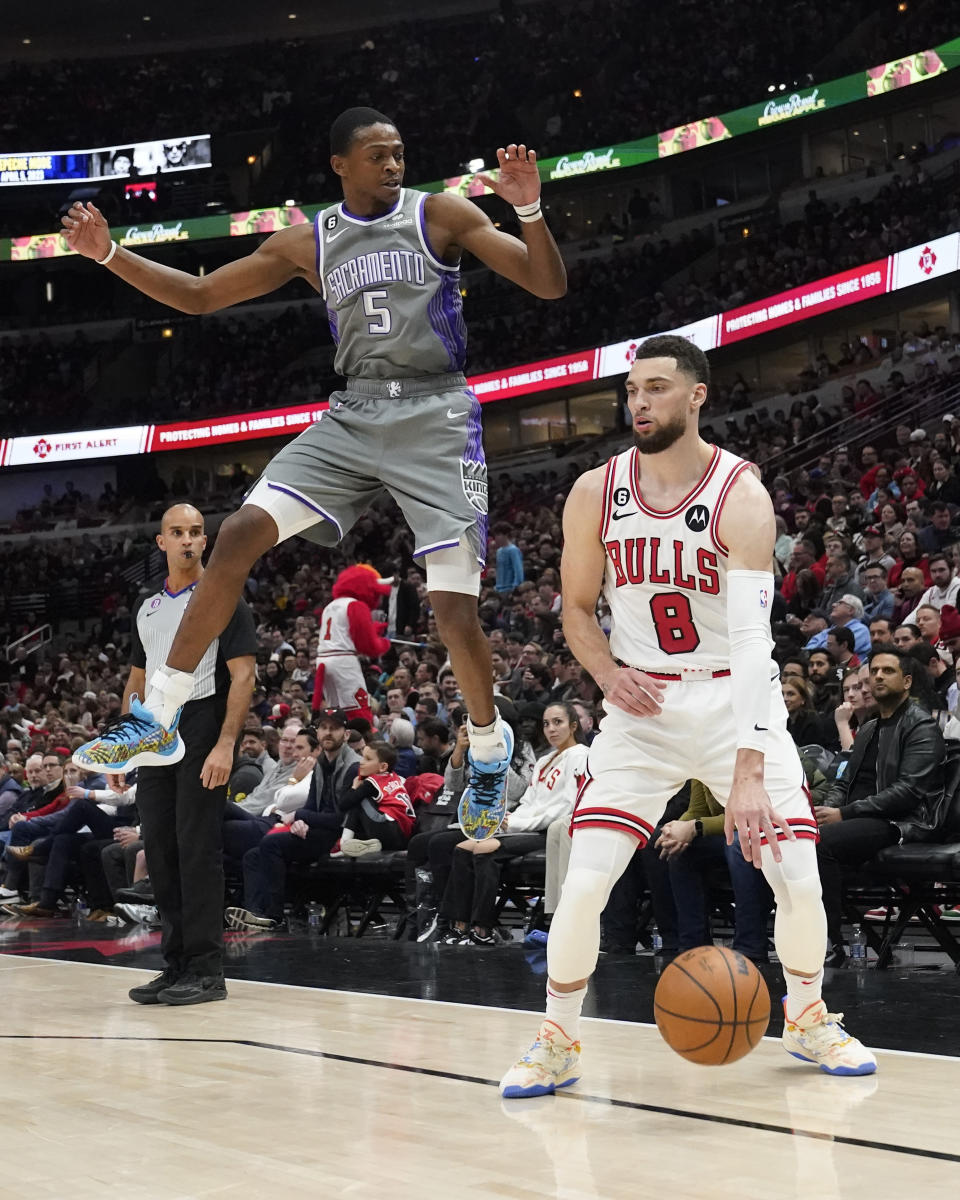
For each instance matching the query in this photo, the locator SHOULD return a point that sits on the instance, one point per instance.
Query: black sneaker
(149, 993)
(194, 989)
(140, 892)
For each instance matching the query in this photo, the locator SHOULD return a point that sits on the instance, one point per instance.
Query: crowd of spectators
(867, 559)
(456, 88)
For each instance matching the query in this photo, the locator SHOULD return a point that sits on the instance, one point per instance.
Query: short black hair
(349, 123)
(689, 358)
(924, 653)
(433, 727)
(878, 566)
(938, 557)
(844, 636)
(826, 654)
(385, 753)
(908, 664)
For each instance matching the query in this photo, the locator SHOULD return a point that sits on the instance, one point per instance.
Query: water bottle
(858, 947)
(656, 941)
(314, 917)
(81, 909)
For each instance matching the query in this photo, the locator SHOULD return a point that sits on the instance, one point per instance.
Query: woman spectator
(804, 723)
(883, 483)
(857, 705)
(402, 737)
(807, 595)
(909, 554)
(945, 485)
(469, 902)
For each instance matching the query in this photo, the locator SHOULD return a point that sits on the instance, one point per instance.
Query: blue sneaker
(484, 801)
(134, 740)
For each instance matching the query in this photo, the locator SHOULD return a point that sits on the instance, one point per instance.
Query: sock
(801, 993)
(168, 690)
(487, 743)
(346, 836)
(563, 1009)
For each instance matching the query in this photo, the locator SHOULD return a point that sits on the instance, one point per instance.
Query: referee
(181, 807)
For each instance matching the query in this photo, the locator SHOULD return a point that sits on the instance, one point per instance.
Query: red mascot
(347, 630)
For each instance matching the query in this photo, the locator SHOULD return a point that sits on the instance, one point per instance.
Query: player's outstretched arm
(273, 264)
(533, 263)
(747, 528)
(581, 570)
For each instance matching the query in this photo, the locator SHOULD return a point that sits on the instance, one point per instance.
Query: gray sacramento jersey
(394, 308)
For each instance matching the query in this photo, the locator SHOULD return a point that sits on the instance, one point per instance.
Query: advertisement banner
(618, 358)
(138, 160)
(909, 267)
(91, 444)
(920, 263)
(780, 107)
(270, 422)
(535, 377)
(270, 220)
(903, 72)
(809, 300)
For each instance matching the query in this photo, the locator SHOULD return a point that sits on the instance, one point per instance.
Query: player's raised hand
(750, 814)
(518, 180)
(86, 230)
(633, 691)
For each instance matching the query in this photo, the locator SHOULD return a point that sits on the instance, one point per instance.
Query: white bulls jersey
(343, 683)
(666, 572)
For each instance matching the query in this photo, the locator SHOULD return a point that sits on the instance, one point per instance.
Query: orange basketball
(711, 1005)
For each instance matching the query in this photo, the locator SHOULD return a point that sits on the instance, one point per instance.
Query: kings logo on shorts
(473, 475)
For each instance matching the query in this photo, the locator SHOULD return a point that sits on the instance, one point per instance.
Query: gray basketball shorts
(418, 439)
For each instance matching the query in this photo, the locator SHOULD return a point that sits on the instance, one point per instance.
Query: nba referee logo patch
(697, 517)
(473, 475)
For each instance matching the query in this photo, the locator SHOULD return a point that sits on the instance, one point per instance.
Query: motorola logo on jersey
(697, 517)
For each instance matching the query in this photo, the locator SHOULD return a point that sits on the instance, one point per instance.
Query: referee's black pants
(181, 825)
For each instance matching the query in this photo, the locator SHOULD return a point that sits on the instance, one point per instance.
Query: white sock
(347, 836)
(563, 1009)
(168, 691)
(801, 993)
(487, 742)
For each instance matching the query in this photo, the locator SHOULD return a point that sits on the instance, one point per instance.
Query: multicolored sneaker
(817, 1036)
(133, 740)
(484, 801)
(552, 1062)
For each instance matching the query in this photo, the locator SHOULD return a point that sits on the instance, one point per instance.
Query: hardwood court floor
(287, 1091)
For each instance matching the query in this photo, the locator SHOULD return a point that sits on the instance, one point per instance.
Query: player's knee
(246, 534)
(585, 890)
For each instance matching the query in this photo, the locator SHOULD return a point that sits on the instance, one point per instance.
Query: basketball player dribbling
(386, 261)
(678, 536)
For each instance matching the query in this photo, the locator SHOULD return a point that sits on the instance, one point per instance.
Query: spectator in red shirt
(803, 558)
(379, 813)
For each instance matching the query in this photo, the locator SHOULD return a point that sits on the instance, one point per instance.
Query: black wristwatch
(698, 829)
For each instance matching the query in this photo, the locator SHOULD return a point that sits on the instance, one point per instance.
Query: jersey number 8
(383, 322)
(673, 621)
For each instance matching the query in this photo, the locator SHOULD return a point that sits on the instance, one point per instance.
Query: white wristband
(102, 262)
(528, 212)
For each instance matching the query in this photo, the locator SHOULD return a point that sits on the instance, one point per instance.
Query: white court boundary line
(301, 987)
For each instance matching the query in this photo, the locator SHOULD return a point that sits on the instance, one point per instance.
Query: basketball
(711, 1006)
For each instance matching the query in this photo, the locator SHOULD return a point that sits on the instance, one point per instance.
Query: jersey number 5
(673, 622)
(383, 322)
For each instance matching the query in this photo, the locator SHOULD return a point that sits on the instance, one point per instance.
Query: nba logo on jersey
(763, 598)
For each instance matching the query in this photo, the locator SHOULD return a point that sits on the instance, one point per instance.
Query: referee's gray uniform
(181, 821)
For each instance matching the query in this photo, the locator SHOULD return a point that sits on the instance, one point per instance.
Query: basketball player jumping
(386, 260)
(678, 535)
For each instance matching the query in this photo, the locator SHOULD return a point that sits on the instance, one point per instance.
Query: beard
(661, 439)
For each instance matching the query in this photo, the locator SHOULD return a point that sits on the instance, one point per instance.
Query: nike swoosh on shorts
(451, 414)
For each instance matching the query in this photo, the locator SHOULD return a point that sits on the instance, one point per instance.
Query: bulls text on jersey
(645, 560)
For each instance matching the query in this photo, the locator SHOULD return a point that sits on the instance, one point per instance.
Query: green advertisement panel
(781, 107)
